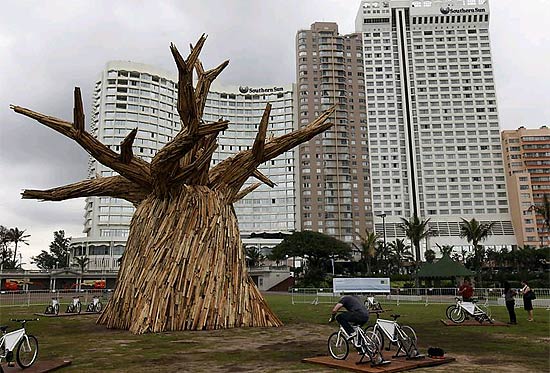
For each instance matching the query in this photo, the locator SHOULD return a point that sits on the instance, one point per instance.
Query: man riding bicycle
(357, 313)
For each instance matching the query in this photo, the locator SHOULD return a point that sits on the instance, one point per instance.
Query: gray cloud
(47, 48)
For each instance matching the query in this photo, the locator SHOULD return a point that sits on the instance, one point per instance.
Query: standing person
(527, 299)
(357, 313)
(466, 290)
(509, 294)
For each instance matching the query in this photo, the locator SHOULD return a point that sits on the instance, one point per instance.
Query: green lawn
(93, 348)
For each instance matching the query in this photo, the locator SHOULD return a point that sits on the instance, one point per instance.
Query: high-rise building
(132, 95)
(527, 165)
(433, 126)
(334, 166)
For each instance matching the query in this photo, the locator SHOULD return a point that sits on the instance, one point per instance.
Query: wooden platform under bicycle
(397, 364)
(474, 323)
(40, 366)
(65, 314)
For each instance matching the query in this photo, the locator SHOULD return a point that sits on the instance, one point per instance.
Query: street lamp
(383, 216)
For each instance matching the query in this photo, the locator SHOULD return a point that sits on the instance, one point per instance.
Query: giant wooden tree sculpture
(183, 268)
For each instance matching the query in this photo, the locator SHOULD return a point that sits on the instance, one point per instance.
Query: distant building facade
(334, 166)
(527, 165)
(433, 127)
(132, 95)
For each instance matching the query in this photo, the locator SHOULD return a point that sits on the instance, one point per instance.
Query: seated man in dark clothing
(357, 313)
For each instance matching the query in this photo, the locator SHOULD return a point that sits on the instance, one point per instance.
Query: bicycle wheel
(98, 307)
(338, 346)
(49, 310)
(379, 336)
(371, 344)
(457, 315)
(449, 309)
(78, 307)
(56, 309)
(27, 351)
(408, 341)
(486, 316)
(90, 307)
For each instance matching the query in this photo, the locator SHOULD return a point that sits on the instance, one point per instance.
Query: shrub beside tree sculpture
(184, 267)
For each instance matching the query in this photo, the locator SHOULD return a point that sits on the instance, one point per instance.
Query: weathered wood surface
(184, 266)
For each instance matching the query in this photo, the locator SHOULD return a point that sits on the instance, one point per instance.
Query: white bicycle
(365, 342)
(372, 304)
(24, 345)
(94, 306)
(53, 309)
(404, 337)
(461, 310)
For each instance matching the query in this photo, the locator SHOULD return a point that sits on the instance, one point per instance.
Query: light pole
(383, 216)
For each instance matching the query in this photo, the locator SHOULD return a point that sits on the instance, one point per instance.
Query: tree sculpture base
(184, 269)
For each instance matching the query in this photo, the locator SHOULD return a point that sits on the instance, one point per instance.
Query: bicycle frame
(472, 309)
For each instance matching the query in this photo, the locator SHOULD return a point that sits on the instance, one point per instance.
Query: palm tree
(368, 249)
(445, 249)
(416, 230)
(254, 256)
(16, 236)
(429, 255)
(401, 252)
(544, 210)
(475, 232)
(82, 262)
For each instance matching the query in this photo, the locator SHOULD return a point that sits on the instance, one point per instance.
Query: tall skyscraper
(527, 164)
(433, 127)
(131, 95)
(334, 166)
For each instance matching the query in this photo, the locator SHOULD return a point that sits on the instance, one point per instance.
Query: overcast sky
(48, 47)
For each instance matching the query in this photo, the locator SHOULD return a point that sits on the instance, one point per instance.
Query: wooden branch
(205, 79)
(126, 153)
(259, 143)
(78, 111)
(264, 179)
(193, 170)
(137, 170)
(234, 171)
(166, 162)
(243, 193)
(115, 186)
(186, 106)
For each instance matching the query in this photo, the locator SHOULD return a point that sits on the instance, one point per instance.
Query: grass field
(92, 348)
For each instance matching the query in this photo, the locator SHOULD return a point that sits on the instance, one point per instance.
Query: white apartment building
(434, 135)
(131, 95)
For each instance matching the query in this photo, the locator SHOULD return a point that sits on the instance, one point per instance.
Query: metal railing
(10, 298)
(426, 296)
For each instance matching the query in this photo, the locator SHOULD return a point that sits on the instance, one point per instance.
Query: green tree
(317, 248)
(401, 252)
(368, 250)
(476, 232)
(429, 255)
(5, 250)
(16, 236)
(58, 255)
(254, 256)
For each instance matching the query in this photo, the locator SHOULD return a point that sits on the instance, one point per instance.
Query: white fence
(44, 297)
(426, 296)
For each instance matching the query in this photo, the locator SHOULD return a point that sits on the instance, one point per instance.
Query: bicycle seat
(395, 317)
(3, 328)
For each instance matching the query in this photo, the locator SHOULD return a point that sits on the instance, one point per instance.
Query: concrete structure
(433, 125)
(129, 95)
(527, 165)
(334, 168)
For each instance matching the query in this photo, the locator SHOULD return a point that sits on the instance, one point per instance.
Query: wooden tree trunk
(184, 269)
